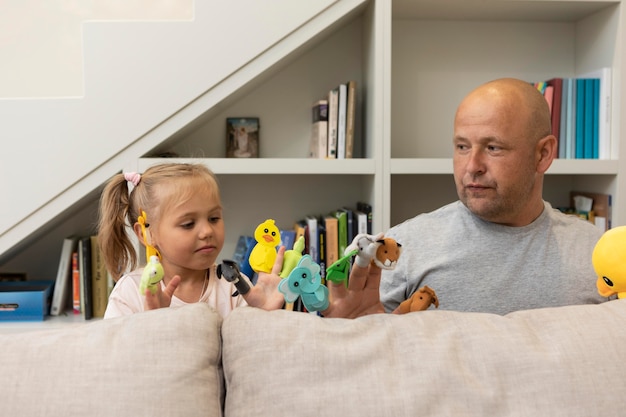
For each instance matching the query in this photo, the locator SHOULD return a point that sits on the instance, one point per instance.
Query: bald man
(501, 247)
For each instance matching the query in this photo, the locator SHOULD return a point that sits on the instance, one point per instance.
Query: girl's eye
(187, 225)
(215, 219)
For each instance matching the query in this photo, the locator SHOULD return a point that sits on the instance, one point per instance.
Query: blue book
(595, 147)
(580, 118)
(244, 247)
(588, 124)
(287, 238)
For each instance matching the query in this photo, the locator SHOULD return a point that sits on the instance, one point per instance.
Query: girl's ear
(137, 230)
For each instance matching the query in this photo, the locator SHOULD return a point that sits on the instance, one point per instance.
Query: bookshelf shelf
(275, 166)
(430, 166)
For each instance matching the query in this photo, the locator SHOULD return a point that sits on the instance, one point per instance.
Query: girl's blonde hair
(157, 188)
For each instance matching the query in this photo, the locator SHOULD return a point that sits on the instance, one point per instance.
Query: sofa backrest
(159, 363)
(565, 361)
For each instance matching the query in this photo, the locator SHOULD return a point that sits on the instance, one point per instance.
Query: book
(342, 230)
(241, 255)
(341, 121)
(84, 266)
(246, 268)
(333, 114)
(298, 227)
(99, 284)
(313, 238)
(63, 282)
(319, 130)
(332, 249)
(350, 118)
(287, 238)
(321, 248)
(595, 118)
(75, 283)
(351, 224)
(361, 222)
(571, 117)
(241, 248)
(588, 119)
(580, 118)
(367, 209)
(604, 111)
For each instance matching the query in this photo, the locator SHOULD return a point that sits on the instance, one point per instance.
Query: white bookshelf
(413, 61)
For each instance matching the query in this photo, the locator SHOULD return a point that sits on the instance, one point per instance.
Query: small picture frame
(242, 137)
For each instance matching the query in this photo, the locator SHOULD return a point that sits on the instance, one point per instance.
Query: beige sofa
(565, 361)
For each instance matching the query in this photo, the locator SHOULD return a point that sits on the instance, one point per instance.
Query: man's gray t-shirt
(475, 265)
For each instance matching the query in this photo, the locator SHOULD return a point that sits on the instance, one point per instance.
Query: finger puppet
(151, 275)
(230, 271)
(366, 246)
(609, 262)
(419, 301)
(143, 222)
(292, 257)
(339, 270)
(153, 271)
(387, 253)
(263, 254)
(383, 252)
(305, 281)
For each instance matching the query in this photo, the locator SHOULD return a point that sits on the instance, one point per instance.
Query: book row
(82, 284)
(333, 122)
(581, 116)
(325, 236)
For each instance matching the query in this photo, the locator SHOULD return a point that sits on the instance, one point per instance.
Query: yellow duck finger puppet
(263, 254)
(609, 262)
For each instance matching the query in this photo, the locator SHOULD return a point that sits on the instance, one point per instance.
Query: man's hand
(265, 293)
(362, 296)
(161, 298)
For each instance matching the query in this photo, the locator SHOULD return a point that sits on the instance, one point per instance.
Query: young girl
(183, 222)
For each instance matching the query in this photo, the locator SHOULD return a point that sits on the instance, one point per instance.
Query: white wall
(136, 75)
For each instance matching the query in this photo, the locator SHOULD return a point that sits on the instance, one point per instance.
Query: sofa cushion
(159, 363)
(565, 361)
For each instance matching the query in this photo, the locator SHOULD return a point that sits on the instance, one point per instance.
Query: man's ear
(547, 149)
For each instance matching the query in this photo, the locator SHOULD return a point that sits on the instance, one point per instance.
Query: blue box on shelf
(25, 300)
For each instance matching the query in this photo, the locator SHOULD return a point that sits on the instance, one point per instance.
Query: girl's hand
(265, 293)
(161, 298)
(360, 298)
